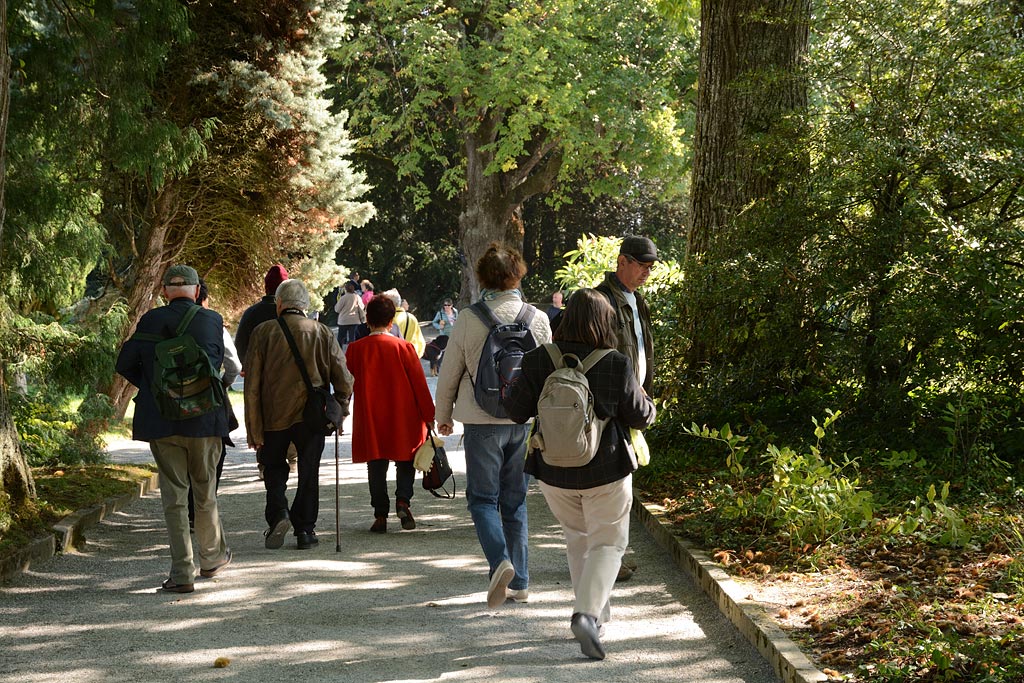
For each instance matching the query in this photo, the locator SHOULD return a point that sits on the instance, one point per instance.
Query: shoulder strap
(484, 312)
(592, 359)
(405, 332)
(556, 356)
(295, 353)
(182, 326)
(525, 317)
(186, 320)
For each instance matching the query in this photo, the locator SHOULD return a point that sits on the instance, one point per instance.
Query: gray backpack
(568, 432)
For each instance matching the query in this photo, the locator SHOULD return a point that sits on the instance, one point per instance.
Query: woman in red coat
(392, 406)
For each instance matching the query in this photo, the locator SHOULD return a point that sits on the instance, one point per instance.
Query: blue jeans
(496, 493)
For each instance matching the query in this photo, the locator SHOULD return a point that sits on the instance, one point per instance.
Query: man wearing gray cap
(637, 256)
(185, 449)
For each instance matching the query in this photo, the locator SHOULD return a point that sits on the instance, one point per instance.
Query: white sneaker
(521, 595)
(500, 580)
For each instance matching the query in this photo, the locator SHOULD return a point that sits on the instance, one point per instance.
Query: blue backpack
(501, 357)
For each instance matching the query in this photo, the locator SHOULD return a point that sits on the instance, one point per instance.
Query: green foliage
(565, 83)
(808, 499)
(62, 365)
(932, 520)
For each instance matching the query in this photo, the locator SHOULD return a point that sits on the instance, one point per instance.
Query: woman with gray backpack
(586, 399)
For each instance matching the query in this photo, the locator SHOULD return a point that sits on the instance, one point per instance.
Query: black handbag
(439, 473)
(322, 413)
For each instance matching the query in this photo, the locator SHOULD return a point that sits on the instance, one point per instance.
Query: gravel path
(404, 606)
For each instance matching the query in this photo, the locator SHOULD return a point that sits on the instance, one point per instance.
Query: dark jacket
(611, 287)
(135, 363)
(616, 395)
(260, 312)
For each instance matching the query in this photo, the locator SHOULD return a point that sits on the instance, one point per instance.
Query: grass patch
(62, 491)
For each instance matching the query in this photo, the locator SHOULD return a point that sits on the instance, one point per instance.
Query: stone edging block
(792, 665)
(69, 533)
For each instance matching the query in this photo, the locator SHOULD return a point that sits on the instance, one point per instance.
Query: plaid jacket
(617, 395)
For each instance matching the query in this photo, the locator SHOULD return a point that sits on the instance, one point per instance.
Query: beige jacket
(454, 396)
(274, 390)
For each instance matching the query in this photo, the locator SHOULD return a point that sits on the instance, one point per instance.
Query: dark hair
(350, 287)
(204, 293)
(589, 319)
(380, 311)
(500, 267)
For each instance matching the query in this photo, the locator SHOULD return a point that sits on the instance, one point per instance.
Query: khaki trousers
(596, 526)
(180, 459)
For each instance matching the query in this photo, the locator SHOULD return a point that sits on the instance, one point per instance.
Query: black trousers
(377, 474)
(273, 456)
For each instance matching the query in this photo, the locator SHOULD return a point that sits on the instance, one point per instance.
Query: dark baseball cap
(640, 248)
(178, 276)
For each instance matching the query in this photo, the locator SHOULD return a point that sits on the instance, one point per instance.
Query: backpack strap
(486, 315)
(557, 359)
(593, 358)
(295, 352)
(186, 320)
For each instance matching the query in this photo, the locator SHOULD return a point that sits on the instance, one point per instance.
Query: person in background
(556, 304)
(351, 313)
(495, 482)
(407, 323)
(184, 450)
(263, 310)
(275, 396)
(404, 305)
(637, 256)
(591, 502)
(232, 367)
(443, 322)
(367, 291)
(393, 407)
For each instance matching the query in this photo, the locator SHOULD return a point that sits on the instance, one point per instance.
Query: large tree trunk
(143, 284)
(749, 55)
(492, 204)
(16, 484)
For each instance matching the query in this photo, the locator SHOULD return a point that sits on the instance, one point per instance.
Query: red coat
(391, 400)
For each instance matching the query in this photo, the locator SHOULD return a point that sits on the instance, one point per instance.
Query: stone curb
(69, 533)
(747, 616)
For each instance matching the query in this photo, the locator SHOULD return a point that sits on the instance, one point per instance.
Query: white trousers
(596, 526)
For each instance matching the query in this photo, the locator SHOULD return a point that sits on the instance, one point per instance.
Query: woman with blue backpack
(500, 323)
(588, 396)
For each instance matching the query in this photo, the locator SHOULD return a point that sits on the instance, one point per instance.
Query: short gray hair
(292, 294)
(394, 296)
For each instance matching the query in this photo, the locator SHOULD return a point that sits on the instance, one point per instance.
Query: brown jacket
(274, 391)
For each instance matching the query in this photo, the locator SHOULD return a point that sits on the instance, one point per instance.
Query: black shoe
(585, 630)
(276, 533)
(306, 540)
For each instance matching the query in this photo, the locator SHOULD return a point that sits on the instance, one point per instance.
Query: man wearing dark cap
(637, 255)
(263, 310)
(260, 312)
(185, 449)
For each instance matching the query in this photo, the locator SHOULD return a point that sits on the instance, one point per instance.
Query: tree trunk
(489, 214)
(747, 83)
(143, 285)
(16, 484)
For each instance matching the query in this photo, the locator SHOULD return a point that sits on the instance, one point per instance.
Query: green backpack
(185, 383)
